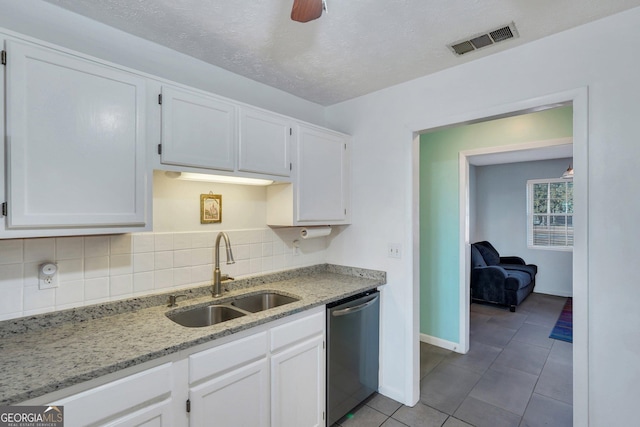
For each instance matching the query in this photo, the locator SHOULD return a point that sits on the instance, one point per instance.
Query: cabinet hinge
(4, 209)
(323, 415)
(322, 344)
(159, 148)
(290, 166)
(160, 98)
(290, 131)
(345, 145)
(345, 211)
(3, 57)
(188, 405)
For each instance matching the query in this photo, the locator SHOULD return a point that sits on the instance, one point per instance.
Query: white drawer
(298, 330)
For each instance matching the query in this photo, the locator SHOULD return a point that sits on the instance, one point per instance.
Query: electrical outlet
(47, 277)
(395, 250)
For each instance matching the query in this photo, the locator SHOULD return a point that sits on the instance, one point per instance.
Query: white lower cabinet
(298, 384)
(142, 399)
(238, 398)
(229, 384)
(273, 375)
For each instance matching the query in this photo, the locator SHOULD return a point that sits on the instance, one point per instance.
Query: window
(550, 214)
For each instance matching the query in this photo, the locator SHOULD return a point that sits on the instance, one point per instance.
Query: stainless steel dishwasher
(352, 352)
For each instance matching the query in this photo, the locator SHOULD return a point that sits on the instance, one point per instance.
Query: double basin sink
(217, 313)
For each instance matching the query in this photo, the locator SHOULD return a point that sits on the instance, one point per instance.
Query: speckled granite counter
(42, 354)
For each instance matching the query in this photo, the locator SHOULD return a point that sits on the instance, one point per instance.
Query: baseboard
(439, 342)
(554, 293)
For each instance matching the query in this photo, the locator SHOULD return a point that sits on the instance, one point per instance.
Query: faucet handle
(172, 300)
(226, 277)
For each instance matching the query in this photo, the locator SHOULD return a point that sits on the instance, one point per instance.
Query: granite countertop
(42, 354)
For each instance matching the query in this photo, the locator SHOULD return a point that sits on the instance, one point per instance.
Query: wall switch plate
(394, 250)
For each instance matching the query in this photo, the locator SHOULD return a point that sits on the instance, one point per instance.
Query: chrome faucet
(217, 276)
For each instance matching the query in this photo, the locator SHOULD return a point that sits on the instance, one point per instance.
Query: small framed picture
(210, 208)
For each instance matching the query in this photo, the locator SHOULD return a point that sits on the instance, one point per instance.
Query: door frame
(578, 98)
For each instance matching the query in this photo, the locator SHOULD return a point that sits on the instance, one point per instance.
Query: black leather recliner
(500, 280)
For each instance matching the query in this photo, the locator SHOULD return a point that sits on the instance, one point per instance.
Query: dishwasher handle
(355, 308)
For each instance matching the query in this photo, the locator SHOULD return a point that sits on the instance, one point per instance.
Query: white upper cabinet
(320, 192)
(322, 175)
(198, 130)
(75, 144)
(265, 141)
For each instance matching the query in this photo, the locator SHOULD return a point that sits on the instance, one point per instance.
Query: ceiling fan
(307, 10)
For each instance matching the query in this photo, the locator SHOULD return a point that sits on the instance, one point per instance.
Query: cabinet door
(75, 141)
(239, 398)
(322, 176)
(264, 142)
(197, 130)
(156, 415)
(298, 385)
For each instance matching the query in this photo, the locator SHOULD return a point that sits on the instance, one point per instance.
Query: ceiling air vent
(485, 39)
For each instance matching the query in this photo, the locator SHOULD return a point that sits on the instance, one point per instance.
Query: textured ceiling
(358, 47)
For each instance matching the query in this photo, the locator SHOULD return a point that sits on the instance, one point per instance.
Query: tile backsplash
(95, 269)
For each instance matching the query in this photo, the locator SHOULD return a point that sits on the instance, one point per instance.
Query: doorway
(456, 337)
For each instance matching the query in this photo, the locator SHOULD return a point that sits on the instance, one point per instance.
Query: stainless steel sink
(262, 301)
(205, 316)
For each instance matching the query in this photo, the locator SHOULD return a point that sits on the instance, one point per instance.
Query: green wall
(439, 220)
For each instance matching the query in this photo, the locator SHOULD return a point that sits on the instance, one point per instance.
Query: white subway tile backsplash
(163, 242)
(163, 279)
(11, 251)
(203, 240)
(255, 236)
(278, 247)
(96, 246)
(163, 260)
(267, 263)
(202, 273)
(241, 251)
(70, 293)
(121, 285)
(181, 276)
(120, 264)
(267, 249)
(143, 282)
(182, 258)
(143, 262)
(255, 265)
(256, 251)
(203, 256)
(39, 250)
(121, 244)
(11, 276)
(143, 243)
(96, 289)
(95, 269)
(69, 247)
(36, 300)
(70, 270)
(181, 241)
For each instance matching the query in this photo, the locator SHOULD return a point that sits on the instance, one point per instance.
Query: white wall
(599, 55)
(500, 217)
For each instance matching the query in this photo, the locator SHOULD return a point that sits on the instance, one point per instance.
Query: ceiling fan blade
(306, 10)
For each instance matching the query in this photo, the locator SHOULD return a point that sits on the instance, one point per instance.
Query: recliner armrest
(512, 260)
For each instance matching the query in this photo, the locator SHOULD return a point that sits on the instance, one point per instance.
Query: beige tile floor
(512, 376)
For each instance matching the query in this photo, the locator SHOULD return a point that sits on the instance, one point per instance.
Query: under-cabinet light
(223, 179)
